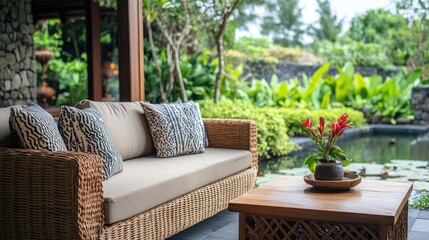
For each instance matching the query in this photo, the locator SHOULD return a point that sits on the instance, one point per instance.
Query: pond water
(373, 147)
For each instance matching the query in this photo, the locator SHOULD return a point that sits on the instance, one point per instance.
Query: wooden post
(92, 19)
(130, 42)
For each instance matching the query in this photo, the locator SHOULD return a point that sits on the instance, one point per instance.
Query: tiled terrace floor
(224, 226)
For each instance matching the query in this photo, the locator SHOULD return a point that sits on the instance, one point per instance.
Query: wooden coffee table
(288, 208)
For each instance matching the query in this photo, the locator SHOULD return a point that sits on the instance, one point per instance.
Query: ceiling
(44, 9)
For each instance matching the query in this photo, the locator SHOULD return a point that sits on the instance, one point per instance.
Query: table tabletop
(371, 202)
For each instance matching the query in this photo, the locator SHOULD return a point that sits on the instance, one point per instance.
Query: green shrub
(272, 132)
(275, 125)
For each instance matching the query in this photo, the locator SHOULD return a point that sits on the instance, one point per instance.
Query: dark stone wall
(420, 105)
(17, 61)
(289, 70)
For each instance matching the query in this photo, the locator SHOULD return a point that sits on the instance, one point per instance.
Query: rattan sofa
(59, 195)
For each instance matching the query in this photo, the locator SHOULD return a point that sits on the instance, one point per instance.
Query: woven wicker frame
(51, 195)
(233, 133)
(44, 195)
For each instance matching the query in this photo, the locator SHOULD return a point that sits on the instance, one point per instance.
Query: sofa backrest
(6, 139)
(127, 125)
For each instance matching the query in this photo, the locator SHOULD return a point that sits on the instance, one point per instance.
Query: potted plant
(328, 163)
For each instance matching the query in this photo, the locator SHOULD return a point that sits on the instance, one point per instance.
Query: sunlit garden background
(291, 70)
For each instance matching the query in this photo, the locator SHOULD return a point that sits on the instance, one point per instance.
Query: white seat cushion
(147, 182)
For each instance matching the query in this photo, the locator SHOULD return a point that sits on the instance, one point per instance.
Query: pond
(401, 151)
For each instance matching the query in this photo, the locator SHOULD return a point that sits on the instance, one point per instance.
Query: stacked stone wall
(18, 81)
(420, 104)
(288, 70)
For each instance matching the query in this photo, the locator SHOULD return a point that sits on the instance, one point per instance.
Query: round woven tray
(351, 179)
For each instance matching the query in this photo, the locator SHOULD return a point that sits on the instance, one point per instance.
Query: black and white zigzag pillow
(85, 131)
(176, 128)
(35, 128)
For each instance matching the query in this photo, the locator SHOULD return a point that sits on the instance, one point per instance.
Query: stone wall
(288, 70)
(420, 105)
(18, 81)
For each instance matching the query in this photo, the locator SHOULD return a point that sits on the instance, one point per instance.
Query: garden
(191, 53)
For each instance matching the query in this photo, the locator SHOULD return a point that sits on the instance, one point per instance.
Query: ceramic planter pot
(329, 171)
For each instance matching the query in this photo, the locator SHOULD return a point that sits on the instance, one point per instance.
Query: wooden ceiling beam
(43, 9)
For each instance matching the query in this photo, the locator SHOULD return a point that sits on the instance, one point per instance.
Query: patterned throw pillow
(84, 131)
(35, 128)
(176, 128)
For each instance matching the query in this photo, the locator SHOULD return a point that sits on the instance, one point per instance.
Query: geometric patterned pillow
(35, 128)
(85, 131)
(176, 128)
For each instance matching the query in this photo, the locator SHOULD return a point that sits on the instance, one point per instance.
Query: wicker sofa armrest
(50, 195)
(233, 133)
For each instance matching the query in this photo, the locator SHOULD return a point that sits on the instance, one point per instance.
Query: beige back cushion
(127, 125)
(6, 139)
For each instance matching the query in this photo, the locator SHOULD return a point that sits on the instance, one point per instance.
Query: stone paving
(418, 224)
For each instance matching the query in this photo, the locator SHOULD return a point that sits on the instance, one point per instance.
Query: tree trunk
(156, 60)
(75, 47)
(219, 45)
(221, 56)
(179, 77)
(170, 71)
(176, 46)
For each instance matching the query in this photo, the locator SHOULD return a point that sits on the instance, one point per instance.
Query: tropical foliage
(390, 96)
(73, 77)
(198, 73)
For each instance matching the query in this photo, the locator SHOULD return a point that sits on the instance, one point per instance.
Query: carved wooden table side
(288, 208)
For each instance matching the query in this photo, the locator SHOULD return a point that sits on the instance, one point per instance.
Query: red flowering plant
(325, 142)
